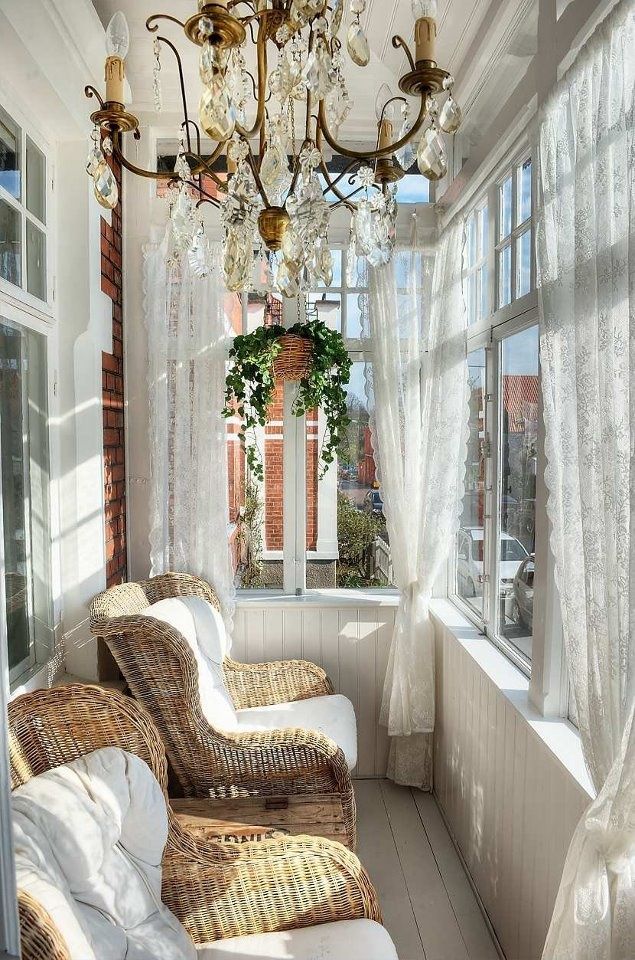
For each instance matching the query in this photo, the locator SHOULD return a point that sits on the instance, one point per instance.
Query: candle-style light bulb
(118, 36)
(117, 43)
(424, 8)
(425, 13)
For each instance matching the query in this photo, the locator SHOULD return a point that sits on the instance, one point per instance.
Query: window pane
(471, 241)
(10, 136)
(505, 209)
(469, 293)
(517, 504)
(523, 192)
(483, 231)
(483, 281)
(327, 306)
(504, 275)
(25, 485)
(356, 313)
(413, 188)
(10, 244)
(470, 546)
(362, 540)
(523, 264)
(35, 261)
(35, 181)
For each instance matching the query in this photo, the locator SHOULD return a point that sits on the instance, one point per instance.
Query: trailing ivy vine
(250, 384)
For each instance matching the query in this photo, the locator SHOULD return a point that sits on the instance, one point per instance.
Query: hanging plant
(310, 352)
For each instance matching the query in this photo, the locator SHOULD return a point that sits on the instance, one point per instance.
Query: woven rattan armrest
(39, 937)
(281, 681)
(232, 890)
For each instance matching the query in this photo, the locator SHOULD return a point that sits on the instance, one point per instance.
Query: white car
(469, 566)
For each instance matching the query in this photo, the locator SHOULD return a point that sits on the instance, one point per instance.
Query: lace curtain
(417, 391)
(585, 256)
(188, 340)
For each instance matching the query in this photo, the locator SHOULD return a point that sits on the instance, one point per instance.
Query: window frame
(546, 670)
(20, 293)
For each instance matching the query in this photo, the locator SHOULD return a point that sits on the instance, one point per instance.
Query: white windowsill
(318, 598)
(558, 734)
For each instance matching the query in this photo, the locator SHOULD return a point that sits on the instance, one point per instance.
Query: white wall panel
(350, 641)
(509, 801)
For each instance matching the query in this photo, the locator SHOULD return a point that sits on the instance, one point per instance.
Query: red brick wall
(113, 403)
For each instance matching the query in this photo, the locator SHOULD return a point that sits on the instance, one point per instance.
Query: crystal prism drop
(431, 156)
(336, 17)
(105, 186)
(450, 116)
(216, 112)
(286, 280)
(95, 157)
(357, 45)
(407, 154)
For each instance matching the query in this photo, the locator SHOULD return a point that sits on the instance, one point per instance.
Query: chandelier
(269, 68)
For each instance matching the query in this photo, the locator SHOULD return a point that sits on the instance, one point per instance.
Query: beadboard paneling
(510, 803)
(350, 642)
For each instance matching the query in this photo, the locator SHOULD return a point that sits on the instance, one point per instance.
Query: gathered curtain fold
(418, 397)
(188, 342)
(586, 284)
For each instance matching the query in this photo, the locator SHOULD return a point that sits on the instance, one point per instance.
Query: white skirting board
(350, 643)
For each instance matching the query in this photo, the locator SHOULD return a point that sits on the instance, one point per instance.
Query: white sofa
(202, 626)
(89, 841)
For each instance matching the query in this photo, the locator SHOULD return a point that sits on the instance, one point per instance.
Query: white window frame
(547, 671)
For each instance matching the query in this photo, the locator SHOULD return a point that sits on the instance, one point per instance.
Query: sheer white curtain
(188, 340)
(585, 254)
(419, 399)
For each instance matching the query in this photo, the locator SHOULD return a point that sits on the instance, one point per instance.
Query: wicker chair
(216, 889)
(161, 672)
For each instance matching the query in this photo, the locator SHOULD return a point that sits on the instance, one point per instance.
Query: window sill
(318, 598)
(558, 734)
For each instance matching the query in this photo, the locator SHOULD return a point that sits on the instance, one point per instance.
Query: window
(494, 557)
(25, 486)
(475, 265)
(298, 528)
(514, 235)
(23, 213)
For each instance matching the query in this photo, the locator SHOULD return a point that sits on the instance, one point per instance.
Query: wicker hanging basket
(294, 359)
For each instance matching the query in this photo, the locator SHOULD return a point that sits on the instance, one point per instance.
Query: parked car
(524, 593)
(373, 503)
(469, 567)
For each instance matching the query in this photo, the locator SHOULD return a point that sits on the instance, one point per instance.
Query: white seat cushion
(204, 630)
(332, 715)
(344, 940)
(89, 839)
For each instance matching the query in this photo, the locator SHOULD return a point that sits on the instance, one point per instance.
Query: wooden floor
(428, 904)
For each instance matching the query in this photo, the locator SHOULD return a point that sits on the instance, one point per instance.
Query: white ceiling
(462, 26)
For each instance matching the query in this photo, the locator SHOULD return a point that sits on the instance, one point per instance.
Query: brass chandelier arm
(262, 88)
(186, 118)
(131, 167)
(153, 27)
(90, 91)
(399, 43)
(379, 151)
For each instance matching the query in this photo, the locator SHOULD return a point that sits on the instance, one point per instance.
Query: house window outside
(23, 210)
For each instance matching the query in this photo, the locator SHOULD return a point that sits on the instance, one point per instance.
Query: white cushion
(344, 940)
(89, 839)
(203, 628)
(332, 715)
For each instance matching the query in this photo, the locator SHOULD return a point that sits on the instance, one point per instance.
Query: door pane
(470, 547)
(35, 181)
(10, 244)
(517, 497)
(35, 261)
(10, 136)
(25, 484)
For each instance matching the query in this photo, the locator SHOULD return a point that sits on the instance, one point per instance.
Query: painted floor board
(428, 904)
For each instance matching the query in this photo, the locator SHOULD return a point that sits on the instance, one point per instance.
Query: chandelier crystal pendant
(272, 101)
